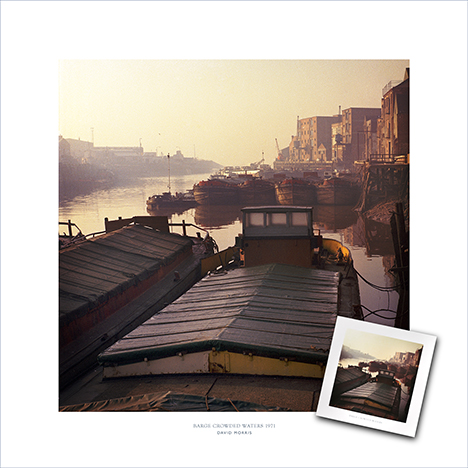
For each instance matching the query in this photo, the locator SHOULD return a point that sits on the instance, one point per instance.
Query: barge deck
(112, 283)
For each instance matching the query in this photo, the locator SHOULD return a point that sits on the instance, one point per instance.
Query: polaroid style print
(376, 376)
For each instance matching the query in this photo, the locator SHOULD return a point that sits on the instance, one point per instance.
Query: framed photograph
(376, 376)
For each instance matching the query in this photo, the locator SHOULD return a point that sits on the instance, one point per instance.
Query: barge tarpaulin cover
(380, 393)
(106, 267)
(275, 311)
(168, 401)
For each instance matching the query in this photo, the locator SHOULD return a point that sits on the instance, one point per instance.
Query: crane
(280, 154)
(257, 164)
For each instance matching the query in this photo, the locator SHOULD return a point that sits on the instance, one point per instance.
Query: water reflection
(376, 237)
(217, 216)
(334, 217)
(326, 218)
(369, 241)
(166, 211)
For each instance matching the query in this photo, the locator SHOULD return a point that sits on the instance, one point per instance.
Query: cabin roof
(380, 393)
(271, 310)
(277, 208)
(105, 266)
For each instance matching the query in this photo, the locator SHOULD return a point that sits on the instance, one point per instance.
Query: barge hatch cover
(104, 267)
(376, 392)
(272, 319)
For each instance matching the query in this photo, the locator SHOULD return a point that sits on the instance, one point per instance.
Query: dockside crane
(280, 154)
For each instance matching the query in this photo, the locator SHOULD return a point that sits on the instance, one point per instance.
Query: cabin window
(255, 219)
(299, 219)
(278, 219)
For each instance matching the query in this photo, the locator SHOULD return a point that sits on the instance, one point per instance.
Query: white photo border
(407, 428)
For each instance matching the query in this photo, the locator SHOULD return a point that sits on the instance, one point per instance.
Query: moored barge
(378, 397)
(216, 192)
(296, 192)
(111, 283)
(337, 191)
(255, 335)
(257, 191)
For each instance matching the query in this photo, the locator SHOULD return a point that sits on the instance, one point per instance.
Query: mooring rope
(379, 288)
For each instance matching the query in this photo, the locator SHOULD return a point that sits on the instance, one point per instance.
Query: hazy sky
(226, 110)
(379, 346)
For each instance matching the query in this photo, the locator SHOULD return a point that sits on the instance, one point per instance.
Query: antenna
(169, 171)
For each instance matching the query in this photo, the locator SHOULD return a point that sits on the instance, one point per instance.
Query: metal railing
(388, 158)
(70, 238)
(185, 225)
(390, 85)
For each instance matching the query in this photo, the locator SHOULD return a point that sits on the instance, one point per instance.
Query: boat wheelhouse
(281, 234)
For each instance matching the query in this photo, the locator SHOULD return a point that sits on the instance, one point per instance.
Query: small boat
(337, 191)
(296, 192)
(167, 201)
(216, 192)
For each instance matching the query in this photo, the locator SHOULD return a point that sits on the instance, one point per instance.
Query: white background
(35, 35)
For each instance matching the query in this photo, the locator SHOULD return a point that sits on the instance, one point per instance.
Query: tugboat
(168, 201)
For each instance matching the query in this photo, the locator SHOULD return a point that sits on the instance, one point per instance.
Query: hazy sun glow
(229, 111)
(379, 346)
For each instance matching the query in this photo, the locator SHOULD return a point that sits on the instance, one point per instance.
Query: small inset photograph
(376, 376)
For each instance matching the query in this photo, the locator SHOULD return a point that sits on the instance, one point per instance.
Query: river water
(370, 242)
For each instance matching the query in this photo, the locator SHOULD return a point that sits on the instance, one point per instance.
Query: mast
(169, 171)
